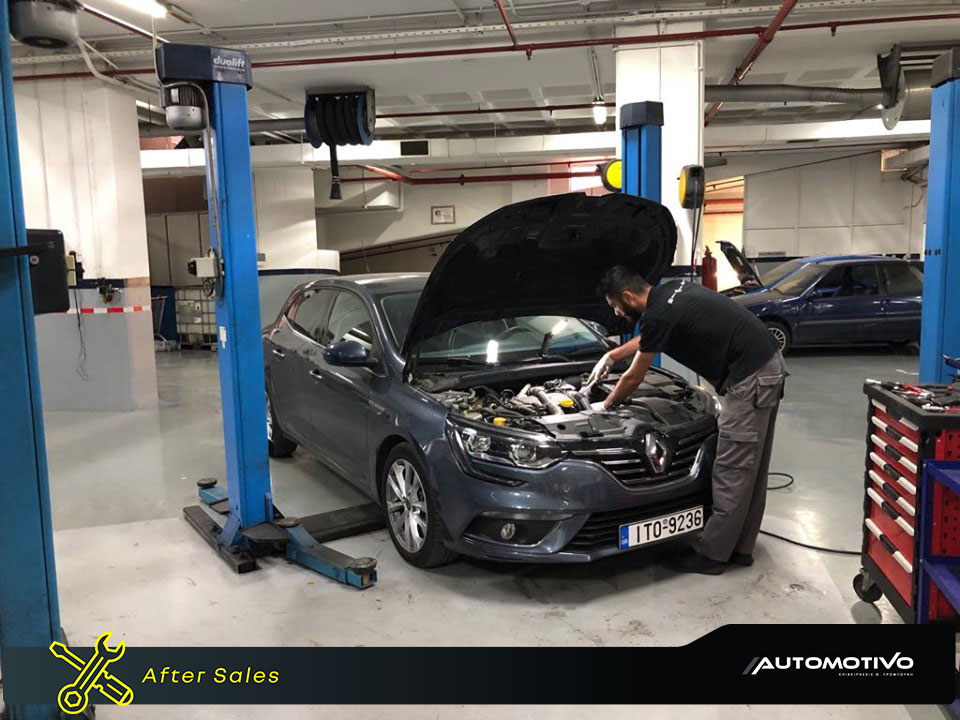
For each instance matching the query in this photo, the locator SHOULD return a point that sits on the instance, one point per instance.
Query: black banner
(784, 664)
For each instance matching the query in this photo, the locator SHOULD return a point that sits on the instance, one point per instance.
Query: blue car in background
(840, 300)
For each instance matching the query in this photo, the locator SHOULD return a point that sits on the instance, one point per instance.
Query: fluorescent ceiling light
(599, 112)
(149, 7)
(558, 328)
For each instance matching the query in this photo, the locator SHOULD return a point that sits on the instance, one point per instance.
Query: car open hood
(543, 257)
(738, 261)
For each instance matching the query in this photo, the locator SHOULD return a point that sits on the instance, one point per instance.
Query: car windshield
(506, 340)
(800, 280)
(774, 275)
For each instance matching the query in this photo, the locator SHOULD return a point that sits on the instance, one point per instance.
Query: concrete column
(287, 236)
(80, 161)
(671, 73)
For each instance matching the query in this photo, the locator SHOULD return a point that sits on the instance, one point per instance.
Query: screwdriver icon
(75, 697)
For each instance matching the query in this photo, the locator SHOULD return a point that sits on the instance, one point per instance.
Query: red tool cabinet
(901, 436)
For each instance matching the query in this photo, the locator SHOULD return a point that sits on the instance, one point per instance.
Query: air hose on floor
(790, 481)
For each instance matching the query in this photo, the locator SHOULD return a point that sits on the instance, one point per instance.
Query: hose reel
(339, 117)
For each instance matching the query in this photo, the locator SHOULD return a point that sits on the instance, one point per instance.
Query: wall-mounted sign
(443, 215)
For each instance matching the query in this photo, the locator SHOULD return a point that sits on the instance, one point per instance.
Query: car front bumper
(576, 507)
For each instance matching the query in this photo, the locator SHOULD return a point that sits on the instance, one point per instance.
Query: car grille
(629, 465)
(602, 529)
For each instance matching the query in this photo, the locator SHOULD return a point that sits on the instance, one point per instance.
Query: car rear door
(844, 306)
(340, 395)
(903, 300)
(291, 346)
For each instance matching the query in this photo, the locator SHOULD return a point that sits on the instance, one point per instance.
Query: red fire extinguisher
(708, 270)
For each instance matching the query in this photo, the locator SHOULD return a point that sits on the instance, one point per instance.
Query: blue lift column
(940, 329)
(641, 125)
(242, 523)
(29, 611)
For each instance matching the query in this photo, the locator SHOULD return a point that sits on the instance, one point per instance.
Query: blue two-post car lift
(242, 523)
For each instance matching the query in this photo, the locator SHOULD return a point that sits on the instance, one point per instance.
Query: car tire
(278, 444)
(410, 509)
(780, 333)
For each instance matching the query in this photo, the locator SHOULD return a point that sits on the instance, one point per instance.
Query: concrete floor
(127, 562)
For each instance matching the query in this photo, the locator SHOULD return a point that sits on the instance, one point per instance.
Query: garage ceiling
(292, 30)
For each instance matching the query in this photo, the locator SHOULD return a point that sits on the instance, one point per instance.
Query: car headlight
(523, 450)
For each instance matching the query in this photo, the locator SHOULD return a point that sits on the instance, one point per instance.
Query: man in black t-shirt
(730, 347)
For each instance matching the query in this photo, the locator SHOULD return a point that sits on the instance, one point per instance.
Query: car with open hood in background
(454, 398)
(832, 300)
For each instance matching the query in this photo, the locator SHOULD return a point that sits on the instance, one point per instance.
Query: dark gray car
(453, 399)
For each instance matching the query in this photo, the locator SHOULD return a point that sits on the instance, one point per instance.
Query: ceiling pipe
(766, 37)
(464, 179)
(720, 94)
(296, 124)
(654, 39)
(506, 22)
(442, 168)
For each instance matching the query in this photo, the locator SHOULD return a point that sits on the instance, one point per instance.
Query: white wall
(350, 230)
(80, 164)
(286, 219)
(840, 206)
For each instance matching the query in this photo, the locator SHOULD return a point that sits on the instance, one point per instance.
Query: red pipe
(466, 179)
(488, 111)
(506, 21)
(832, 25)
(766, 37)
(723, 201)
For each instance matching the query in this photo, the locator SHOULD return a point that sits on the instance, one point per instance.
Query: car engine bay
(556, 406)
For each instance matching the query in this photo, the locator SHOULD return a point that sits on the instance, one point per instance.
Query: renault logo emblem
(659, 453)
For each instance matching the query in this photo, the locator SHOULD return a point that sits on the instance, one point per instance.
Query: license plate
(655, 529)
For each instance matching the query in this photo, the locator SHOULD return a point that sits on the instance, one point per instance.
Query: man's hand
(601, 369)
(630, 380)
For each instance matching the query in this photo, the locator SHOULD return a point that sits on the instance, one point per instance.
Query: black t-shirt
(708, 332)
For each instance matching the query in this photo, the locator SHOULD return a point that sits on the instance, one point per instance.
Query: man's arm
(630, 380)
(611, 358)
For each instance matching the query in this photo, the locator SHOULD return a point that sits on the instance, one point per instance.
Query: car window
(849, 281)
(349, 320)
(902, 279)
(774, 275)
(799, 280)
(309, 313)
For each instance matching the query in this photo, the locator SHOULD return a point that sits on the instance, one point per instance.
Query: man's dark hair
(620, 279)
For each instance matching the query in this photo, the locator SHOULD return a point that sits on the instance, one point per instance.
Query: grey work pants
(747, 418)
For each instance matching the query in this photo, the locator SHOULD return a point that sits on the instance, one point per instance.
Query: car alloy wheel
(406, 505)
(779, 335)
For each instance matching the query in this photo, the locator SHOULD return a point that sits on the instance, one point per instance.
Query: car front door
(903, 300)
(291, 345)
(844, 306)
(340, 395)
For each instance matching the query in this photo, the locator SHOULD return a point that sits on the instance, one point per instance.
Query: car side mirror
(349, 353)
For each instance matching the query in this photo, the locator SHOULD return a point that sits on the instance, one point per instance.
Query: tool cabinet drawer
(897, 568)
(897, 528)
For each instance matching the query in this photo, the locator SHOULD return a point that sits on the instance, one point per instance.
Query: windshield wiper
(453, 361)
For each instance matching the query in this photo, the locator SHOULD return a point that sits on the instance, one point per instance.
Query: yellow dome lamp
(611, 175)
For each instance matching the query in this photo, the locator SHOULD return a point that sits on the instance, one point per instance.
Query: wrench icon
(112, 687)
(75, 697)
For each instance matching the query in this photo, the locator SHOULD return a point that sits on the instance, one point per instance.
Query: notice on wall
(443, 215)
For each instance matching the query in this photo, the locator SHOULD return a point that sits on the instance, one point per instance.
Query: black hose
(818, 548)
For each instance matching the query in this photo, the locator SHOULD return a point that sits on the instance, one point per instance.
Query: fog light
(507, 531)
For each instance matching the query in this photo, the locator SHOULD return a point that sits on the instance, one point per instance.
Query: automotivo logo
(75, 697)
(898, 665)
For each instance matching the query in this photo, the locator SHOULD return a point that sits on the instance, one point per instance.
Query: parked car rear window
(902, 279)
